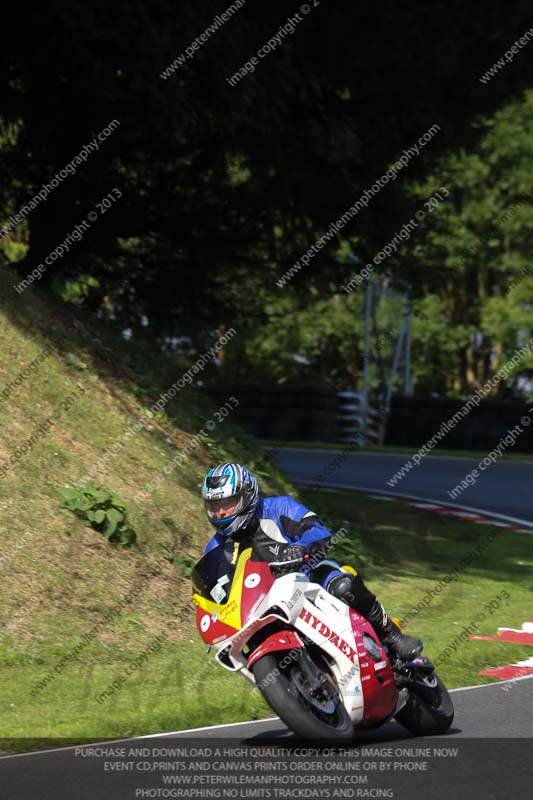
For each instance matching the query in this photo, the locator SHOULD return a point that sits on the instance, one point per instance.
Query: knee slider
(344, 587)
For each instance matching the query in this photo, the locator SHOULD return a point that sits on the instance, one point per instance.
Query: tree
(221, 183)
(470, 261)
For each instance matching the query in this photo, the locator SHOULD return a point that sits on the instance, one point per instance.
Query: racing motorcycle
(318, 663)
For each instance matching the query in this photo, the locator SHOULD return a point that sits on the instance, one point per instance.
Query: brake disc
(326, 706)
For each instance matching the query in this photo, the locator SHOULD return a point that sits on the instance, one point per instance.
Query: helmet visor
(225, 507)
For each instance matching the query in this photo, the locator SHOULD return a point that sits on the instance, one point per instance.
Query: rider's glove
(290, 558)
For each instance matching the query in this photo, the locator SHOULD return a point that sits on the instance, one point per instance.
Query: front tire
(429, 708)
(283, 697)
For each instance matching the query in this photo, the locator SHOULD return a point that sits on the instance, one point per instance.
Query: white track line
(113, 742)
(484, 685)
(440, 503)
(213, 727)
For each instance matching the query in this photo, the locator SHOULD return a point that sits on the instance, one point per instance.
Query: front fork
(316, 679)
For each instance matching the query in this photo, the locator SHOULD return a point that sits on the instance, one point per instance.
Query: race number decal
(253, 580)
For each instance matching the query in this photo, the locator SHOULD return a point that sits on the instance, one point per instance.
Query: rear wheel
(429, 708)
(318, 715)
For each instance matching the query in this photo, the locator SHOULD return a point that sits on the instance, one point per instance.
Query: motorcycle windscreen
(213, 574)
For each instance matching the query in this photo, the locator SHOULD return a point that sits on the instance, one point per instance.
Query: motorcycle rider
(290, 537)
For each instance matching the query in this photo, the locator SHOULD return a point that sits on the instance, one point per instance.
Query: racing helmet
(230, 494)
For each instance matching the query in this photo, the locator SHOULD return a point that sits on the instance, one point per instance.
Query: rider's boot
(406, 647)
(352, 590)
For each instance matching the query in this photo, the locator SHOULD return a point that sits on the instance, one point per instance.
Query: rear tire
(300, 717)
(429, 710)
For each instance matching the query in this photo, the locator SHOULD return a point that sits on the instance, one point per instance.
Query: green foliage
(102, 509)
(13, 250)
(468, 261)
(229, 194)
(73, 361)
(77, 291)
(185, 562)
(236, 207)
(305, 338)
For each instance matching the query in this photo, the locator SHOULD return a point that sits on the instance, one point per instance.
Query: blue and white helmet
(230, 495)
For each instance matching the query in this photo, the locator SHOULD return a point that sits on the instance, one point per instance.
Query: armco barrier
(415, 420)
(296, 412)
(310, 412)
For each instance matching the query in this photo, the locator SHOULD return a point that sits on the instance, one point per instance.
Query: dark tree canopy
(224, 187)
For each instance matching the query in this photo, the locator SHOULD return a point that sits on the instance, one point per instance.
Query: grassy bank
(403, 554)
(68, 377)
(61, 580)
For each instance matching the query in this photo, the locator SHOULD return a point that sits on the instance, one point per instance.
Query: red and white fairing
(367, 686)
(366, 683)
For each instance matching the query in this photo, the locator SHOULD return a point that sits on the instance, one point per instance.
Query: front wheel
(429, 708)
(285, 690)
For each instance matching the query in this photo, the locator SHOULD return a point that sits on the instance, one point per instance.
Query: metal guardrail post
(359, 421)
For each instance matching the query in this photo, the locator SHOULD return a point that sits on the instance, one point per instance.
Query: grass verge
(403, 554)
(409, 552)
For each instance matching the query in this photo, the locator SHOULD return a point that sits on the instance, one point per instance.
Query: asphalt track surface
(480, 712)
(500, 714)
(505, 487)
(497, 767)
